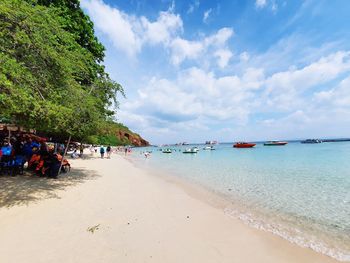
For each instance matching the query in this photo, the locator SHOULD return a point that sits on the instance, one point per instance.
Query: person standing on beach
(126, 150)
(102, 152)
(81, 150)
(109, 151)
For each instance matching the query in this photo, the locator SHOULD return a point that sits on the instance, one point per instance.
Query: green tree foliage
(50, 73)
(107, 134)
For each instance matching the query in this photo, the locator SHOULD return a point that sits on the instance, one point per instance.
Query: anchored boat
(191, 150)
(311, 141)
(210, 148)
(244, 145)
(275, 143)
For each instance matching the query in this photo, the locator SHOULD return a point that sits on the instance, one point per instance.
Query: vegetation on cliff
(112, 133)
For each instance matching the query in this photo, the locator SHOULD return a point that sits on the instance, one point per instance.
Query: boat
(275, 143)
(244, 145)
(311, 141)
(211, 142)
(191, 150)
(167, 150)
(209, 148)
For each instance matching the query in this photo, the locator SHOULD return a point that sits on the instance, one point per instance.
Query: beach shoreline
(124, 214)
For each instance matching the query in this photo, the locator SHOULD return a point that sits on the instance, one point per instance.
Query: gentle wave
(293, 235)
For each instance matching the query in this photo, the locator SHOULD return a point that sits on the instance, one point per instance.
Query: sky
(230, 70)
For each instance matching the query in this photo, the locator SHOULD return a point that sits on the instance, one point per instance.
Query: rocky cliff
(133, 138)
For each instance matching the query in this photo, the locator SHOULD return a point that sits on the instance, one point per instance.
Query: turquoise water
(300, 192)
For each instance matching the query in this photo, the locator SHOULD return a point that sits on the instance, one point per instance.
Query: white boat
(211, 142)
(210, 148)
(167, 150)
(191, 150)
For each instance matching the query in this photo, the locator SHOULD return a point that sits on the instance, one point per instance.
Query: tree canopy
(51, 77)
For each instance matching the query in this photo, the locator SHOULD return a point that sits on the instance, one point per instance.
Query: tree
(50, 73)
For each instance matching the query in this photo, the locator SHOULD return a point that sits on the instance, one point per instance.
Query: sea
(300, 192)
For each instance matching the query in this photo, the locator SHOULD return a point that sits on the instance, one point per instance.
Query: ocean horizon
(299, 192)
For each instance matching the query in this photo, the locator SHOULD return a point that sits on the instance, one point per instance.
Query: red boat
(244, 145)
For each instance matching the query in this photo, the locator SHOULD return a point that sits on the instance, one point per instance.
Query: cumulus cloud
(182, 49)
(196, 95)
(129, 33)
(223, 56)
(338, 96)
(115, 24)
(285, 88)
(202, 98)
(163, 29)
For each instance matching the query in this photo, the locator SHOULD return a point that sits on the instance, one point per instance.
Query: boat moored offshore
(191, 150)
(244, 145)
(311, 141)
(275, 143)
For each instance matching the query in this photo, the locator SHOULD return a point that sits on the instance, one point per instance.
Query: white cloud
(192, 7)
(117, 25)
(274, 7)
(197, 96)
(201, 98)
(223, 56)
(182, 49)
(206, 15)
(220, 38)
(244, 56)
(337, 97)
(129, 33)
(163, 30)
(260, 3)
(284, 88)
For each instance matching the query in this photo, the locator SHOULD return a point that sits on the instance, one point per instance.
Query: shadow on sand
(27, 188)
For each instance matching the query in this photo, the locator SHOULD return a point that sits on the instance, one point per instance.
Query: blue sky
(228, 70)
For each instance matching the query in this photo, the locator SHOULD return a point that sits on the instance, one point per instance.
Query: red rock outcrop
(134, 139)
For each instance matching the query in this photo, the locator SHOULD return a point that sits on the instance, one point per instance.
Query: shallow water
(300, 192)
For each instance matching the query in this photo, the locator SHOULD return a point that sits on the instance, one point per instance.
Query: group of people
(42, 159)
(108, 151)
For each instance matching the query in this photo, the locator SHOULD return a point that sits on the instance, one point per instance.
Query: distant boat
(191, 150)
(244, 145)
(211, 142)
(311, 141)
(167, 150)
(209, 148)
(275, 143)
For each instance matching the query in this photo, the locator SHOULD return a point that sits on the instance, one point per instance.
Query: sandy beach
(111, 211)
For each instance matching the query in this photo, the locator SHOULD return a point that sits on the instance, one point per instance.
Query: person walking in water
(102, 152)
(109, 151)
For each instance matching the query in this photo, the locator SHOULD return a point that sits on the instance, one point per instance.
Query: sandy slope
(139, 218)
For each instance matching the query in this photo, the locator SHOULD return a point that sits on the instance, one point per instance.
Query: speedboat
(244, 145)
(311, 141)
(167, 150)
(275, 143)
(191, 150)
(209, 148)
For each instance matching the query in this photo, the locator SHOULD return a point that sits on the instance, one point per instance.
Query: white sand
(141, 218)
